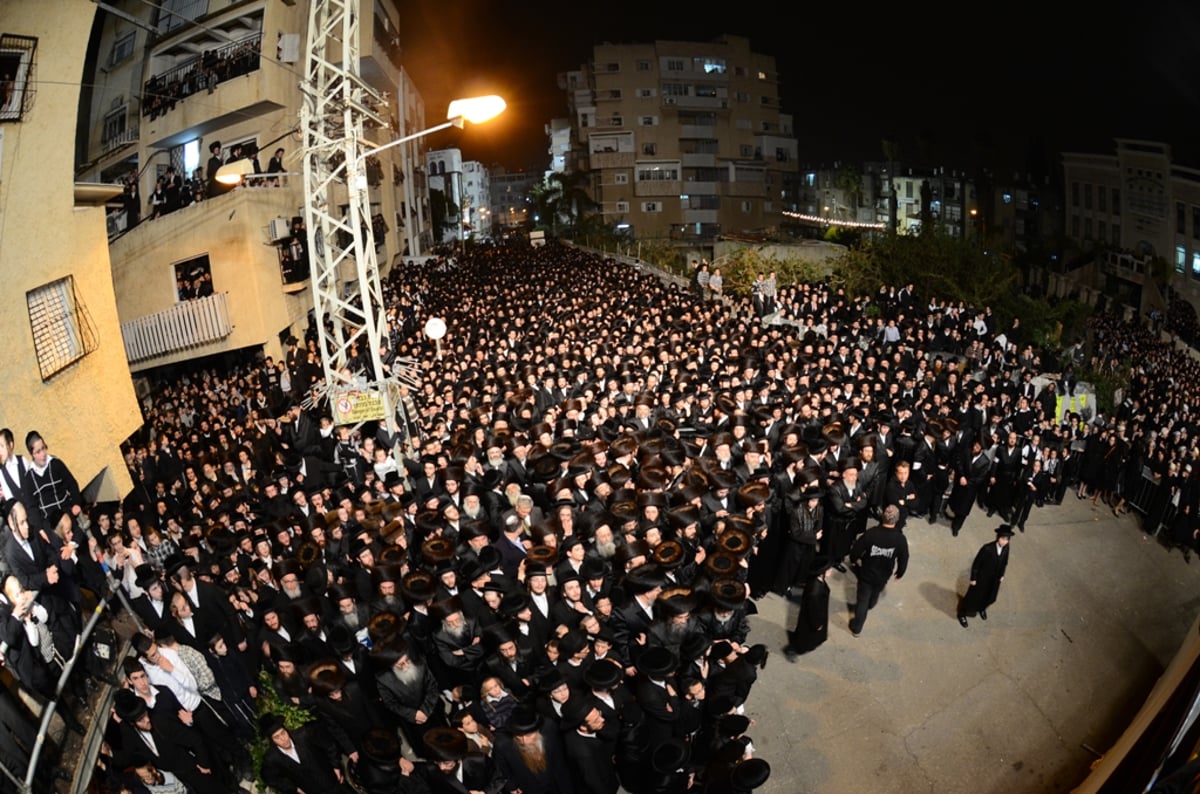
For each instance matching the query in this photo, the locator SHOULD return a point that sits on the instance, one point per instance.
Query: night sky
(953, 83)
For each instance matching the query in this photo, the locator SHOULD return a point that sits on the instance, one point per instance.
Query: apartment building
(171, 86)
(63, 367)
(685, 140)
(1137, 207)
(510, 197)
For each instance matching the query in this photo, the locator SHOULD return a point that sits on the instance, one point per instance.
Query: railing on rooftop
(185, 325)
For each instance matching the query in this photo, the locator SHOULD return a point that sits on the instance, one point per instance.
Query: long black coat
(812, 622)
(986, 572)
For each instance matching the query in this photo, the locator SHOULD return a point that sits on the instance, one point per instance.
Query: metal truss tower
(337, 105)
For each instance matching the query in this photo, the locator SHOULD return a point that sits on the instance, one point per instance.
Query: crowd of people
(540, 577)
(201, 74)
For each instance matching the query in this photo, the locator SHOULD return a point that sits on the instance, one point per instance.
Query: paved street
(1090, 613)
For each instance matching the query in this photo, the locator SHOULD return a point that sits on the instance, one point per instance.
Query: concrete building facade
(685, 140)
(1140, 213)
(63, 371)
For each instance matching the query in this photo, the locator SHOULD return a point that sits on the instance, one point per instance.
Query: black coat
(314, 773)
(554, 779)
(591, 761)
(812, 622)
(986, 572)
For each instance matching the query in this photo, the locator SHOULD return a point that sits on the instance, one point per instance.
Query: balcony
(699, 188)
(697, 131)
(699, 160)
(657, 187)
(186, 101)
(245, 239)
(606, 159)
(186, 325)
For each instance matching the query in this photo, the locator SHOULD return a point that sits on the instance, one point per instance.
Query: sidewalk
(1090, 613)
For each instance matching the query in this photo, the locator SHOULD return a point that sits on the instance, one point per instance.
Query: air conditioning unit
(279, 229)
(670, 100)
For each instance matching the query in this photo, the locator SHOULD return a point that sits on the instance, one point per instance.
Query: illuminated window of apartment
(762, 75)
(1180, 259)
(709, 65)
(62, 329)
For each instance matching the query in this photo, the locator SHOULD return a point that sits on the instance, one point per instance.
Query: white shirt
(180, 680)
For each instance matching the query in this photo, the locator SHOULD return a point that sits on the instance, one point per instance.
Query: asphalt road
(1090, 613)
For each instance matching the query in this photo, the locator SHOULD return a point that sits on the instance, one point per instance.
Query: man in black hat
(804, 513)
(408, 691)
(987, 572)
(656, 693)
(458, 643)
(530, 757)
(812, 621)
(606, 689)
(299, 760)
(589, 753)
(725, 617)
(170, 745)
(454, 768)
(152, 606)
(631, 622)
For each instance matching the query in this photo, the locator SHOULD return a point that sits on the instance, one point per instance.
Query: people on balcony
(162, 92)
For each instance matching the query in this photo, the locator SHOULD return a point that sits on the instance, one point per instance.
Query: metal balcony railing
(203, 73)
(186, 324)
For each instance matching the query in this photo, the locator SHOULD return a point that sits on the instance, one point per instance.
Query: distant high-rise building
(680, 139)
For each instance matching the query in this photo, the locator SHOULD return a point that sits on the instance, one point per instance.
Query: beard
(350, 619)
(472, 514)
(456, 634)
(606, 549)
(293, 592)
(392, 602)
(676, 631)
(409, 675)
(533, 754)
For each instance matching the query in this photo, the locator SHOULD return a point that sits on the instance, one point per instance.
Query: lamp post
(340, 242)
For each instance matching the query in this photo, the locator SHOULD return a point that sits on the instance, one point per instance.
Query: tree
(443, 213)
(563, 201)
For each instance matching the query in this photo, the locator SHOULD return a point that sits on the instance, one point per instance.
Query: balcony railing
(185, 325)
(120, 140)
(202, 73)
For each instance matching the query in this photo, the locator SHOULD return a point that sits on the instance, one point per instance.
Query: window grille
(62, 329)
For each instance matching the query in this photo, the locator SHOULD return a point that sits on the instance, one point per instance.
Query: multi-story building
(510, 197)
(444, 168)
(63, 368)
(681, 139)
(477, 196)
(1136, 207)
(172, 86)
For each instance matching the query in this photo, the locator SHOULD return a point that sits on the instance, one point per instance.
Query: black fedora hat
(658, 662)
(524, 720)
(446, 744)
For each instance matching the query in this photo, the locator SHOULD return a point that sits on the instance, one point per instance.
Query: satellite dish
(435, 328)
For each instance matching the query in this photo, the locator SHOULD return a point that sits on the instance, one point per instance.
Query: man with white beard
(458, 642)
(603, 544)
(407, 690)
